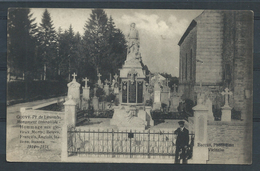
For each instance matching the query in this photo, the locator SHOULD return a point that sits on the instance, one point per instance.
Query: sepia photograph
(129, 86)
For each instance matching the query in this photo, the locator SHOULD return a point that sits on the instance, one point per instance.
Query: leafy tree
(117, 48)
(95, 37)
(104, 44)
(67, 52)
(47, 42)
(21, 42)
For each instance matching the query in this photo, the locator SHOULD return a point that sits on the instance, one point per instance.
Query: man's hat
(181, 122)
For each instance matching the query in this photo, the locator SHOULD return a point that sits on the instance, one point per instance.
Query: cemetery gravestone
(85, 99)
(106, 87)
(95, 101)
(157, 96)
(74, 89)
(86, 89)
(209, 106)
(99, 80)
(226, 109)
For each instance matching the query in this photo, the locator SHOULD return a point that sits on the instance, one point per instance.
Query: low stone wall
(40, 135)
(229, 142)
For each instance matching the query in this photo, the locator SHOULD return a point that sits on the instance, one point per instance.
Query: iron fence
(128, 144)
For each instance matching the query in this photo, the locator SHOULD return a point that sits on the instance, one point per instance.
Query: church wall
(187, 76)
(243, 71)
(209, 47)
(220, 38)
(237, 55)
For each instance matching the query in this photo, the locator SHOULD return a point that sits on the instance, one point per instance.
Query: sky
(159, 30)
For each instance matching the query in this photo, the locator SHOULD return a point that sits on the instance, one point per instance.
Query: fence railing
(129, 144)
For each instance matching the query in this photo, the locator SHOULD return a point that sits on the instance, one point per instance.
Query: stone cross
(74, 76)
(106, 81)
(116, 76)
(225, 93)
(174, 88)
(99, 75)
(86, 81)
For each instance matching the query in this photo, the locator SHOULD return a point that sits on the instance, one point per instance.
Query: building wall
(237, 53)
(188, 57)
(243, 70)
(209, 47)
(237, 134)
(222, 58)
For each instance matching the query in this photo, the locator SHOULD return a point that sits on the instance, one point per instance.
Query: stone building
(216, 52)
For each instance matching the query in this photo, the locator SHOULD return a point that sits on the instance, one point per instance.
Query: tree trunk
(44, 74)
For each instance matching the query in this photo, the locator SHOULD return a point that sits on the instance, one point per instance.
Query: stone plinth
(175, 100)
(86, 93)
(95, 103)
(164, 98)
(106, 89)
(200, 153)
(84, 104)
(157, 96)
(70, 112)
(226, 113)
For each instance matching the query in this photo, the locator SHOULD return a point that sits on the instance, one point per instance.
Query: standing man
(182, 143)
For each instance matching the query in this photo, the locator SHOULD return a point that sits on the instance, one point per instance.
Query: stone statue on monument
(133, 44)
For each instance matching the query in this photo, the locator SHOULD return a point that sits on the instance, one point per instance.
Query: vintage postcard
(129, 86)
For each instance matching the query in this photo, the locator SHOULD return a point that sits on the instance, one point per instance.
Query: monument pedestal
(226, 113)
(157, 106)
(131, 118)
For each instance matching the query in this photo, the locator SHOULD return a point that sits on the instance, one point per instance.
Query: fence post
(148, 144)
(130, 145)
(113, 143)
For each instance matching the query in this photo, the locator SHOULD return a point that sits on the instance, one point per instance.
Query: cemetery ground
(90, 123)
(13, 133)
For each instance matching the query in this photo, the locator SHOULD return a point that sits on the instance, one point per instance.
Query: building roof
(191, 26)
(160, 77)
